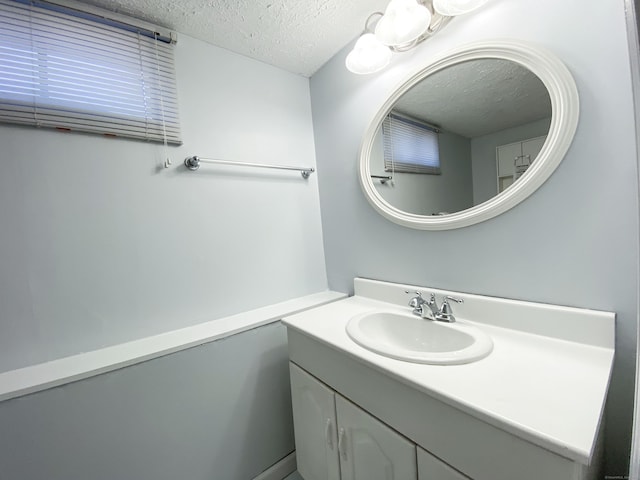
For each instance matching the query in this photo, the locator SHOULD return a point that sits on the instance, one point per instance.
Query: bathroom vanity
(530, 409)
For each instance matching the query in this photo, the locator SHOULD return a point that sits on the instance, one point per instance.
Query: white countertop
(549, 391)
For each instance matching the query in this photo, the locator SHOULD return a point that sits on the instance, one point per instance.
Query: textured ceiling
(478, 97)
(471, 99)
(296, 35)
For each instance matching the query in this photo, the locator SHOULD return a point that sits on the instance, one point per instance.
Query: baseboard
(280, 470)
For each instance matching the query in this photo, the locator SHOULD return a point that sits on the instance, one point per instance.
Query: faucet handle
(416, 301)
(453, 299)
(445, 313)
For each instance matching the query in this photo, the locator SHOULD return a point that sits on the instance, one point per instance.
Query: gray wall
(100, 245)
(483, 156)
(217, 412)
(573, 242)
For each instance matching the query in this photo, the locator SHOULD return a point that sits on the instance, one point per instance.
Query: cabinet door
(506, 158)
(314, 421)
(431, 468)
(507, 155)
(531, 148)
(369, 450)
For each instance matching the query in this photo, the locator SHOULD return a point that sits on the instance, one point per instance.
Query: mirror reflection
(460, 136)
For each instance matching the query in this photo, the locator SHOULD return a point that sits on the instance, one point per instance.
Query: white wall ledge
(42, 376)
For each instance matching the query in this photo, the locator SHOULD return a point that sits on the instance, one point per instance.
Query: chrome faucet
(429, 308)
(418, 304)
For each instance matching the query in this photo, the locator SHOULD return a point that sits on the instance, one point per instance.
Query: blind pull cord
(167, 159)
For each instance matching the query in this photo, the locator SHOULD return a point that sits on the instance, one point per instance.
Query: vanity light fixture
(451, 8)
(368, 55)
(403, 25)
(403, 22)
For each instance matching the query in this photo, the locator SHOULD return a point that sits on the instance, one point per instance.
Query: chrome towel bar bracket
(193, 164)
(383, 178)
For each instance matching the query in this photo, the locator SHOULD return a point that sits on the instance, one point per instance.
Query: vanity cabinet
(336, 440)
(431, 468)
(445, 442)
(511, 415)
(513, 160)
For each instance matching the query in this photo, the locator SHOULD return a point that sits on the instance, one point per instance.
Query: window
(69, 70)
(410, 146)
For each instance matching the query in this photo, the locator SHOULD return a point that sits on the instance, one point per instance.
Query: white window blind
(70, 72)
(410, 146)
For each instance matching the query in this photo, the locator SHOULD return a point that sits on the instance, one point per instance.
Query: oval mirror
(469, 137)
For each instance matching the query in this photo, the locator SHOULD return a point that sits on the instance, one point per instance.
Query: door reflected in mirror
(460, 136)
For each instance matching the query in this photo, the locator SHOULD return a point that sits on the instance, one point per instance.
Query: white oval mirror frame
(564, 120)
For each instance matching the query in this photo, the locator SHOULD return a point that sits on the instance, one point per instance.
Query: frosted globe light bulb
(403, 22)
(368, 55)
(451, 8)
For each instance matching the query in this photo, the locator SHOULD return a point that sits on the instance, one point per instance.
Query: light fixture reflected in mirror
(405, 24)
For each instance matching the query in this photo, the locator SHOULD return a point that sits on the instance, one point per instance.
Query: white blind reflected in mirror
(71, 72)
(410, 146)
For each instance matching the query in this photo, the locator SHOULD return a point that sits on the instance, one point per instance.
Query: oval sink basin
(418, 340)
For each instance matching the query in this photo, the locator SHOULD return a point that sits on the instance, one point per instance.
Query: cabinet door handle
(328, 434)
(341, 446)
